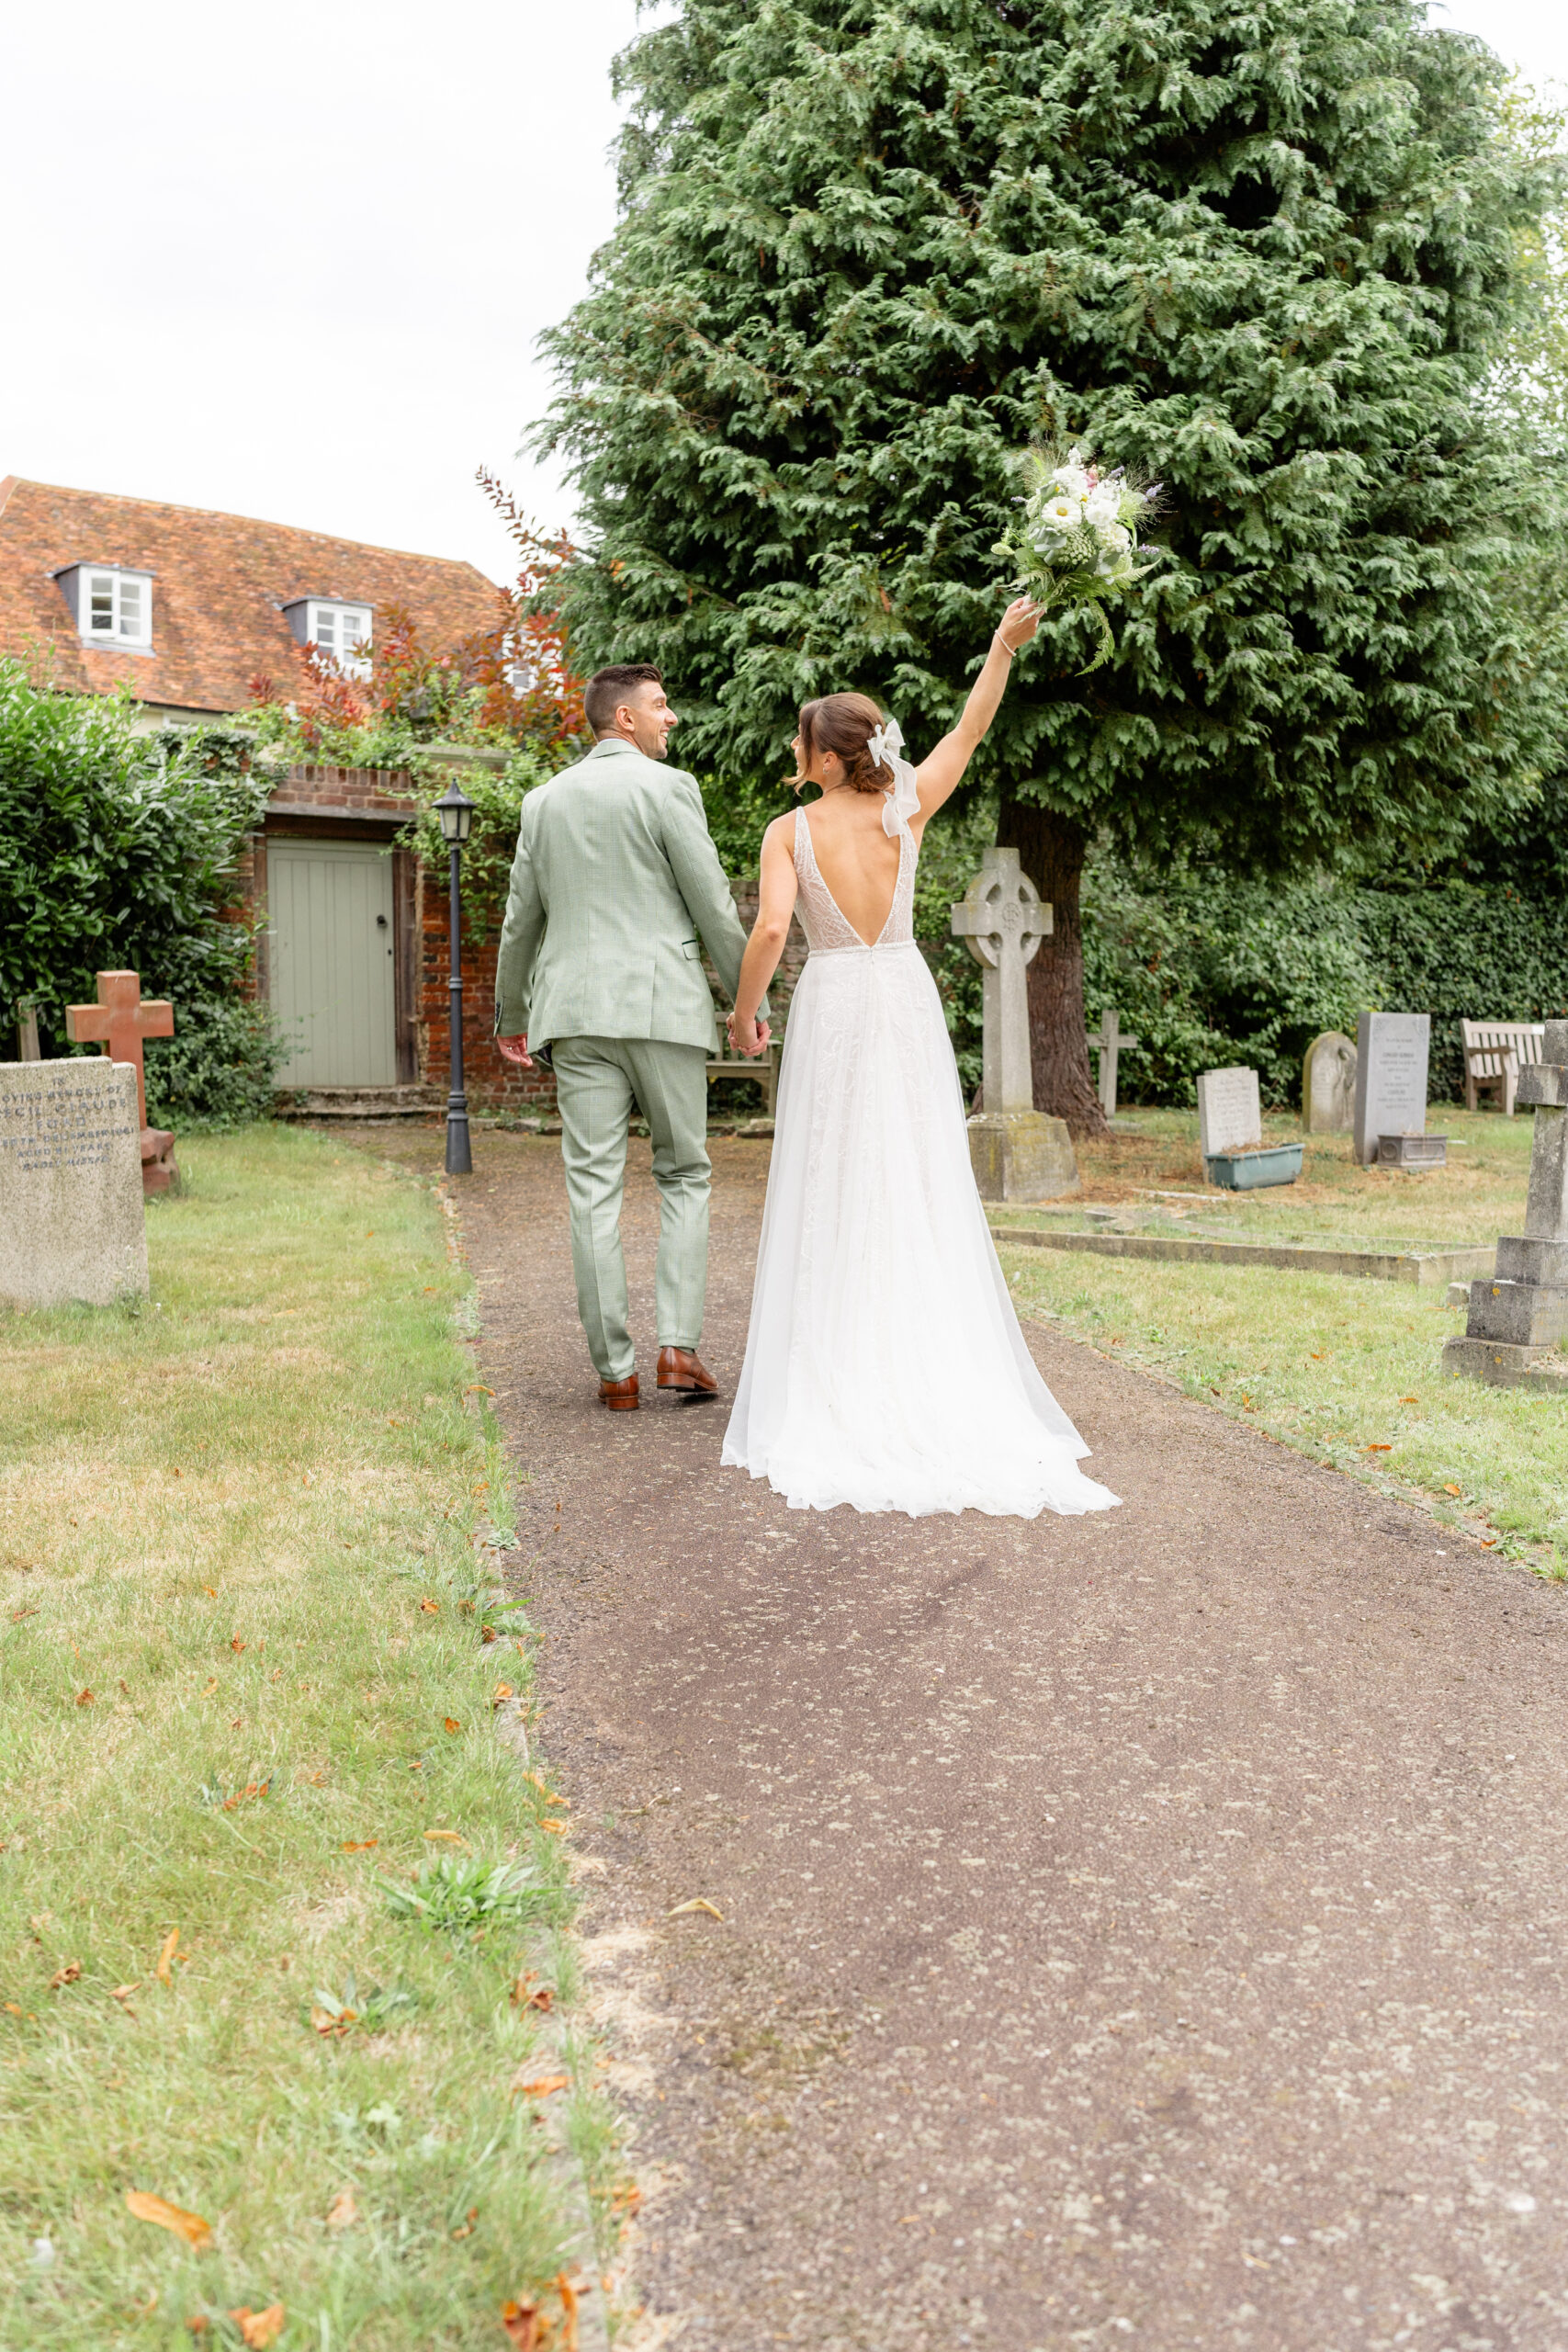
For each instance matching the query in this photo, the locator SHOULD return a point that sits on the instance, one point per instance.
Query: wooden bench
(761, 1068)
(1494, 1053)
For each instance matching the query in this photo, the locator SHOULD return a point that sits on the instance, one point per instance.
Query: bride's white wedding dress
(885, 1367)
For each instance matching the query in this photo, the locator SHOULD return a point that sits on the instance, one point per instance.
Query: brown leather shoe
(684, 1370)
(620, 1395)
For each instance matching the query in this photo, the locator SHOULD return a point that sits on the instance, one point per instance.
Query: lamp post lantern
(455, 811)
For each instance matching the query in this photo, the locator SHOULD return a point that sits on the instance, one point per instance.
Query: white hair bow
(885, 747)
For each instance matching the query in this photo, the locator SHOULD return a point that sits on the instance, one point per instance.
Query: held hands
(1020, 621)
(749, 1037)
(516, 1049)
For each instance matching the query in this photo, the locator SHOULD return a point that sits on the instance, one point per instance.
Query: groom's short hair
(606, 689)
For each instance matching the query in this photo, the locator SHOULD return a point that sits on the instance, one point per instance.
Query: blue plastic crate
(1239, 1172)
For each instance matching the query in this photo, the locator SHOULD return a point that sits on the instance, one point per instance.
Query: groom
(600, 971)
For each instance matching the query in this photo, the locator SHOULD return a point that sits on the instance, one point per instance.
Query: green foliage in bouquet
(1076, 541)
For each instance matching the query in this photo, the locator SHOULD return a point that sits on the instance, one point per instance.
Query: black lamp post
(455, 811)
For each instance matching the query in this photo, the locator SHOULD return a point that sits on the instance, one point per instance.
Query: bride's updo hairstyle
(845, 724)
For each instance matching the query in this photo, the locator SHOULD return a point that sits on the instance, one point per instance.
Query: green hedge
(118, 850)
(1208, 971)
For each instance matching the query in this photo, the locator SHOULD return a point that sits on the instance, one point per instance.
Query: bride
(885, 1367)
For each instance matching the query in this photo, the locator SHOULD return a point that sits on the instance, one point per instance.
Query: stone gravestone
(1391, 1078)
(71, 1221)
(1517, 1321)
(1017, 1153)
(1109, 1043)
(1328, 1085)
(1230, 1115)
(118, 1021)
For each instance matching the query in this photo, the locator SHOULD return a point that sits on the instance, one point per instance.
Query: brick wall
(489, 1080)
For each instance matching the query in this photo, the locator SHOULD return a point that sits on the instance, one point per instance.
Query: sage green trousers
(597, 1082)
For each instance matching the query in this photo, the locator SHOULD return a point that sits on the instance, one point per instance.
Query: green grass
(247, 1697)
(1336, 1204)
(1347, 1371)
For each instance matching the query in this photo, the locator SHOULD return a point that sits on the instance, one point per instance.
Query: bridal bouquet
(1075, 539)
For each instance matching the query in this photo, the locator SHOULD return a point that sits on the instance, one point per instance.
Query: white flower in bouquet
(1057, 515)
(1076, 540)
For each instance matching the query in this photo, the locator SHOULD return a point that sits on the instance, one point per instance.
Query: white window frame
(317, 609)
(118, 581)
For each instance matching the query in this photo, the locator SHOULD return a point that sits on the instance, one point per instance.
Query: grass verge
(270, 1868)
(1347, 1372)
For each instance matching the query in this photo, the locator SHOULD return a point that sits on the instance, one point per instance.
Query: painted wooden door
(330, 921)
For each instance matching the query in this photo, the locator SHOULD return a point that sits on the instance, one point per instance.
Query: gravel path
(1145, 1927)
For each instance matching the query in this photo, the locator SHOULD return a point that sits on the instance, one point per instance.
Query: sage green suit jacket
(615, 877)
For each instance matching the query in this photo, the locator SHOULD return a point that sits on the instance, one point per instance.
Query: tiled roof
(219, 585)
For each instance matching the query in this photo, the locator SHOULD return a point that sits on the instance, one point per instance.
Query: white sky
(291, 262)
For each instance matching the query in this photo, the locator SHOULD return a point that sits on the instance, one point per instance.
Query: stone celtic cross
(118, 1021)
(1003, 920)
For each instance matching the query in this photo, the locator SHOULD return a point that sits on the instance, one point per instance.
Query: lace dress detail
(884, 1367)
(828, 932)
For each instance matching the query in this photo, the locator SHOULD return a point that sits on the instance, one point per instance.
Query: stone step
(1500, 1365)
(359, 1103)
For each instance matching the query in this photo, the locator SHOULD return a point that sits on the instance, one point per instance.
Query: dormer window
(340, 631)
(113, 607)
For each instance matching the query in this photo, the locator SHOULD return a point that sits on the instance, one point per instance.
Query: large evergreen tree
(1261, 248)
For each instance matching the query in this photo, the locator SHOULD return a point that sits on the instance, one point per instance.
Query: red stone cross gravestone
(118, 1021)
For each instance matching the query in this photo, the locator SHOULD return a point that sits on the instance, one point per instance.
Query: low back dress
(885, 1367)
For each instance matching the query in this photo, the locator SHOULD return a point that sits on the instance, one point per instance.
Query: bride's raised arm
(940, 773)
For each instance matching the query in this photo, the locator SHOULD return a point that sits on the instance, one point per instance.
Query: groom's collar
(608, 743)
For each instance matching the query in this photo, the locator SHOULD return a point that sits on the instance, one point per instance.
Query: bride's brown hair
(845, 724)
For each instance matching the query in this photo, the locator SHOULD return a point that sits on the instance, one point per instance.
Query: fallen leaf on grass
(66, 1975)
(488, 1634)
(210, 1590)
(17, 1614)
(567, 2294)
(235, 1643)
(626, 2198)
(526, 1995)
(1453, 1490)
(331, 2021)
(260, 2328)
(503, 1691)
(430, 1608)
(241, 1796)
(1380, 1448)
(452, 1724)
(342, 2213)
(359, 1845)
(697, 1903)
(466, 2229)
(541, 2086)
(444, 1837)
(1410, 1400)
(145, 2207)
(521, 2321)
(84, 1697)
(124, 1992)
(554, 1829)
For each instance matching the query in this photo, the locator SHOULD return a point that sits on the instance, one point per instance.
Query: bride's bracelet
(998, 639)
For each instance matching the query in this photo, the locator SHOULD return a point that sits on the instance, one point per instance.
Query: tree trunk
(1050, 851)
